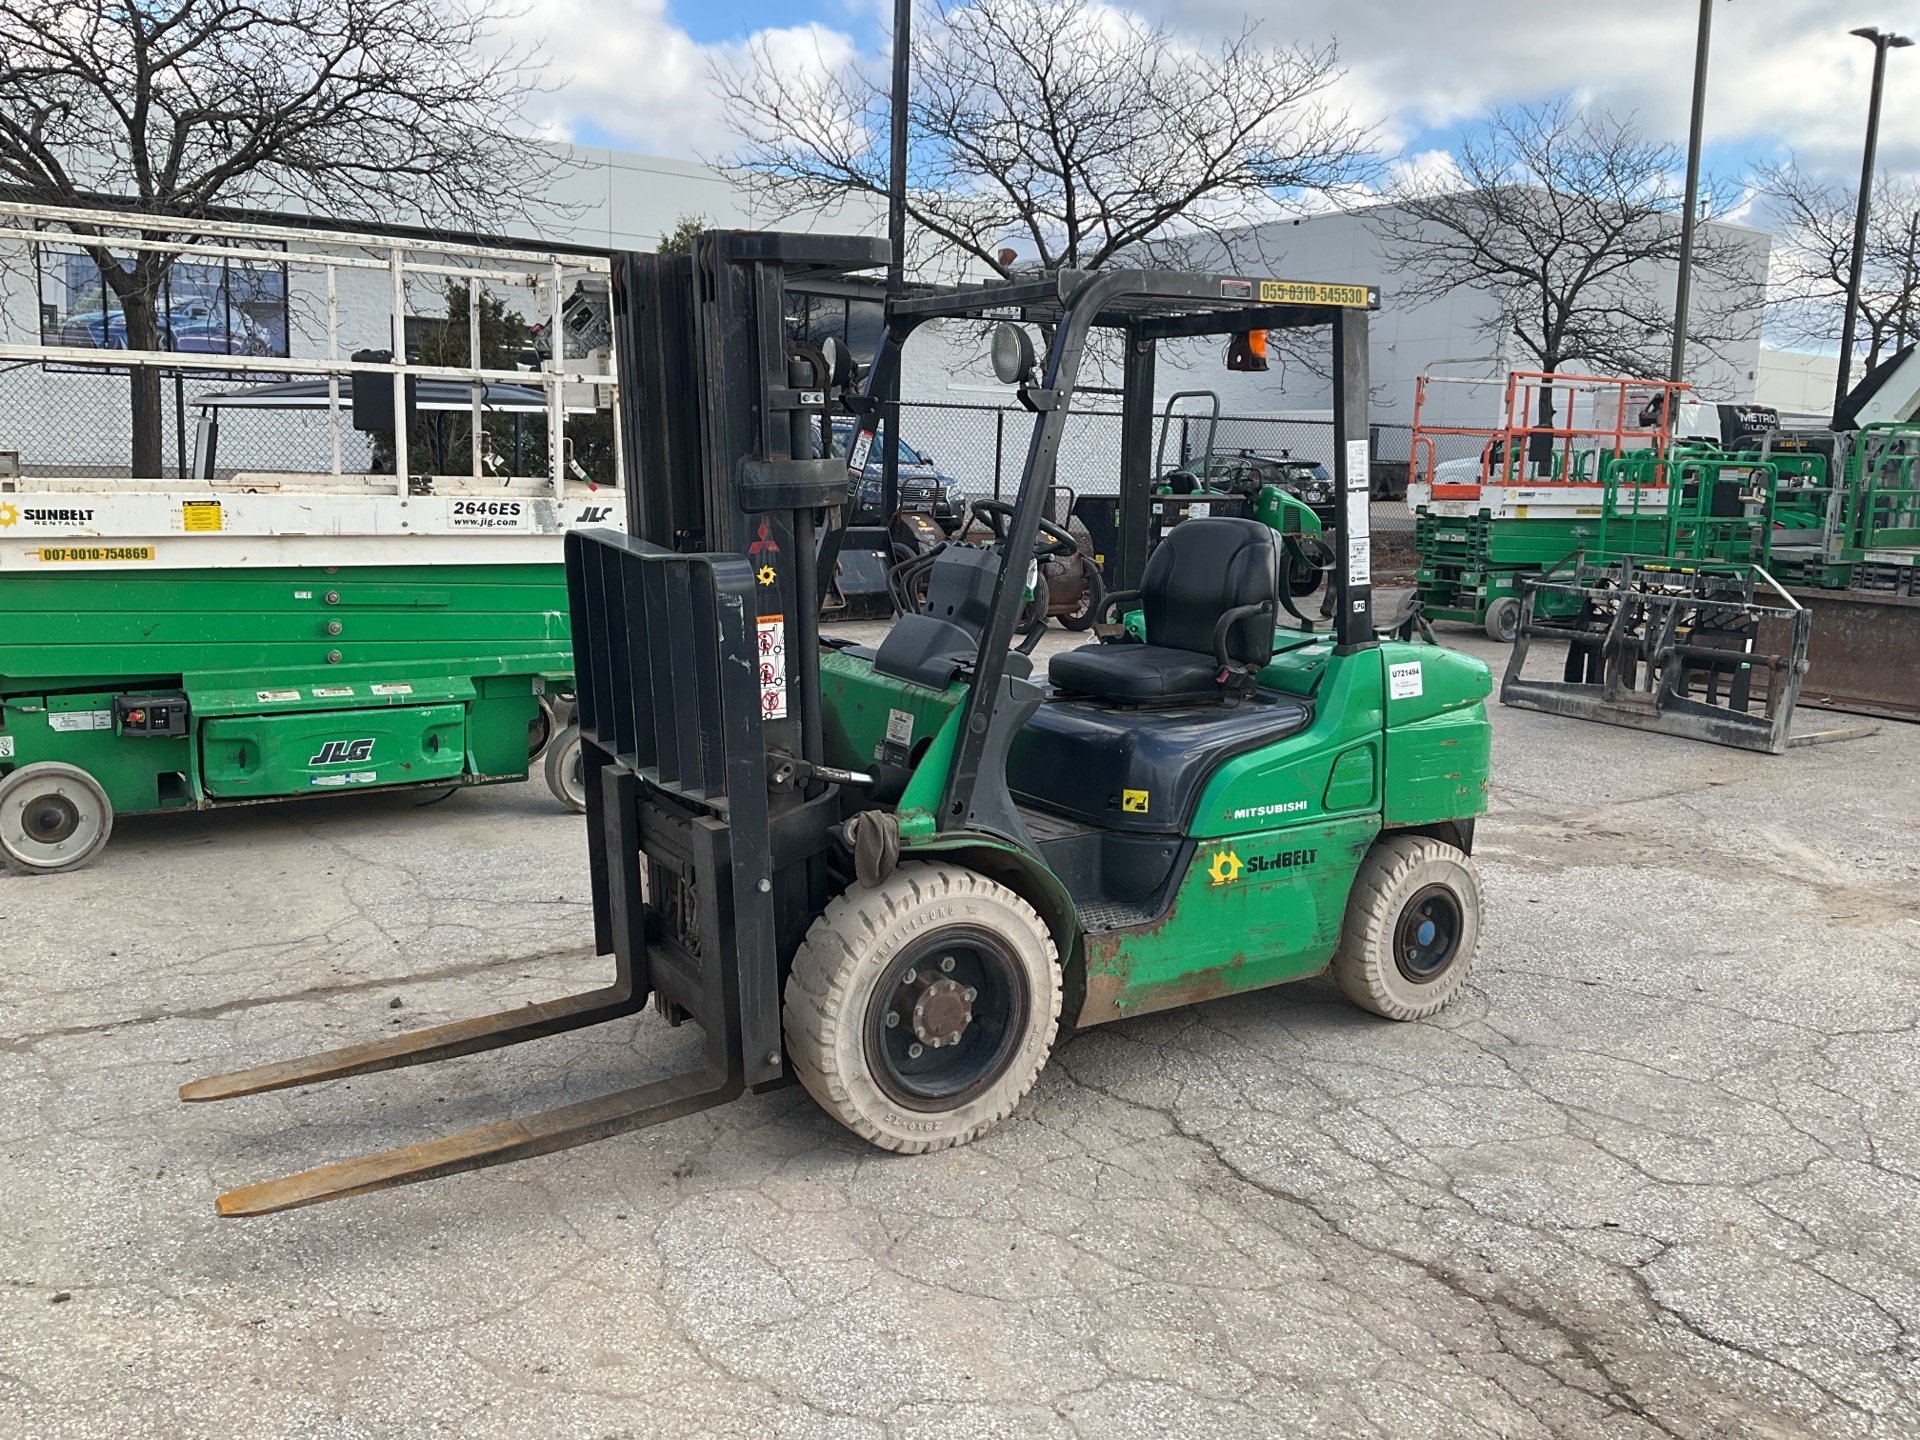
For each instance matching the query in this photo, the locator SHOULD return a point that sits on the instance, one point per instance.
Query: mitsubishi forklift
(897, 874)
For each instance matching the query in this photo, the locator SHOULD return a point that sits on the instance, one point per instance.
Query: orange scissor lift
(1495, 505)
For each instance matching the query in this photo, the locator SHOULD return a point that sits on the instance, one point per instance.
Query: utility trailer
(247, 632)
(896, 873)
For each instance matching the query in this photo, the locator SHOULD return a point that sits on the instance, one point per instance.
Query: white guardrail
(315, 262)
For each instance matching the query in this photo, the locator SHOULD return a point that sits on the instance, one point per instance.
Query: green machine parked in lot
(143, 689)
(896, 874)
(285, 617)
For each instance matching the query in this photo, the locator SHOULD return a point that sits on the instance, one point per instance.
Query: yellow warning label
(52, 553)
(200, 515)
(1311, 292)
(1134, 801)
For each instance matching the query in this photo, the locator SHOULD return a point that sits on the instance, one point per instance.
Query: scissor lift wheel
(566, 769)
(53, 817)
(1412, 927)
(920, 1011)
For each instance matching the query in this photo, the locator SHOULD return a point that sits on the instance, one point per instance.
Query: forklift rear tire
(1503, 620)
(920, 1011)
(1412, 927)
(566, 771)
(53, 817)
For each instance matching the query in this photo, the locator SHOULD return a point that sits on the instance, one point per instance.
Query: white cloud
(622, 68)
(1785, 74)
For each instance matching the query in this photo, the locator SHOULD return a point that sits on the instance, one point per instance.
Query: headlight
(956, 497)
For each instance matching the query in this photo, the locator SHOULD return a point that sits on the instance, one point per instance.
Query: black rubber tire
(29, 844)
(1304, 582)
(1095, 597)
(566, 777)
(1503, 620)
(833, 995)
(1380, 964)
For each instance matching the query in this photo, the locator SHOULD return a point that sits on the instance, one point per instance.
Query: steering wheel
(997, 516)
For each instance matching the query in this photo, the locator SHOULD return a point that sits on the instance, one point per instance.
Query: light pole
(1881, 44)
(1682, 290)
(897, 147)
(897, 241)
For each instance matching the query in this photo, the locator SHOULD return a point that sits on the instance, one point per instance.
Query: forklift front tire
(919, 1012)
(1412, 927)
(53, 817)
(565, 770)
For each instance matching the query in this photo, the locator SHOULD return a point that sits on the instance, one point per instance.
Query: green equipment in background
(136, 689)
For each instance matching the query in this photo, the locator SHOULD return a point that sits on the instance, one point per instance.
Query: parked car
(196, 327)
(1244, 472)
(922, 484)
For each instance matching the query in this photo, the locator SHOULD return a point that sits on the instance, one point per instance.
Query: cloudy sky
(1785, 75)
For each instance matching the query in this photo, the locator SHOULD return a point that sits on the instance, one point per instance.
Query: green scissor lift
(130, 691)
(279, 621)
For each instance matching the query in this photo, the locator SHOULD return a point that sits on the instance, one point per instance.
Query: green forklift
(896, 874)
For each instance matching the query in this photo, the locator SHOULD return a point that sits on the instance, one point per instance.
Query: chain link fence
(75, 421)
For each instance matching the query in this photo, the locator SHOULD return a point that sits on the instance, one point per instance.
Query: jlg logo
(335, 752)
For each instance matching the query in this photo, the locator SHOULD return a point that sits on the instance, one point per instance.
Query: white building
(1799, 384)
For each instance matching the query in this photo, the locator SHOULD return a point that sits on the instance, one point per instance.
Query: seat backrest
(1201, 570)
(929, 646)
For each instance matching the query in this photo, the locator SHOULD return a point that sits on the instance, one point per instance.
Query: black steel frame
(1145, 306)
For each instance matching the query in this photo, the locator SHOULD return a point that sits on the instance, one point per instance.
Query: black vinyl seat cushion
(1133, 674)
(1199, 572)
(1081, 758)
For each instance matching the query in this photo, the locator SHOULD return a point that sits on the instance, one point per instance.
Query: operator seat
(1210, 593)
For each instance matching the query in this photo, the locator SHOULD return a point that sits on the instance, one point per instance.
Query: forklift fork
(669, 715)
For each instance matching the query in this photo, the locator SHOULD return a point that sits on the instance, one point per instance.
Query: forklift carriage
(894, 873)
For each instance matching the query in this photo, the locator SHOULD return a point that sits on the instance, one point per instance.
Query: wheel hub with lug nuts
(50, 819)
(941, 1013)
(937, 1008)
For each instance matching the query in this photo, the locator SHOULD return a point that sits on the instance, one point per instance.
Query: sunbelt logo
(40, 515)
(1225, 866)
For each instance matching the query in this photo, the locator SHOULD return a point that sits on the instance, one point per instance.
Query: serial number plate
(96, 552)
(1311, 292)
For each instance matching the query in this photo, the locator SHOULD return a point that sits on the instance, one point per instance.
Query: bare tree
(356, 108)
(1813, 259)
(1074, 130)
(1570, 220)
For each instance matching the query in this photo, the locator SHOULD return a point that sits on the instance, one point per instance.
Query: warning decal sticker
(773, 667)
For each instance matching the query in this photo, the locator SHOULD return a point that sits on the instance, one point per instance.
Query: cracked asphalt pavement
(1658, 1174)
